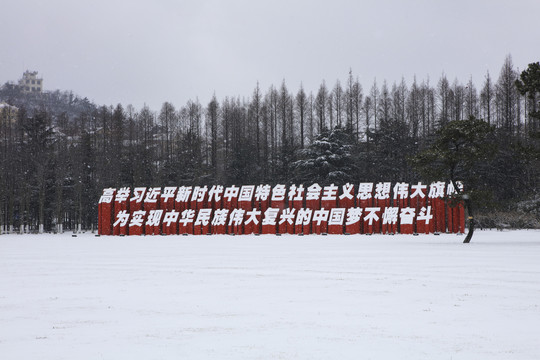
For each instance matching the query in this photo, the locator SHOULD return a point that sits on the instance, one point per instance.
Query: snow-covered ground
(268, 297)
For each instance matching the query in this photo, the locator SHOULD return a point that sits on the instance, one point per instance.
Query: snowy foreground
(268, 297)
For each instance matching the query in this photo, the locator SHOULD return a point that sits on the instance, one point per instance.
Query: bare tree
(369, 111)
(212, 112)
(444, 100)
(385, 106)
(353, 104)
(374, 94)
(167, 119)
(507, 96)
(414, 108)
(301, 110)
(311, 117)
(321, 102)
(458, 100)
(399, 99)
(256, 114)
(471, 100)
(337, 99)
(487, 98)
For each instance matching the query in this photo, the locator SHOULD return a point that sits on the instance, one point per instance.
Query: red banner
(368, 208)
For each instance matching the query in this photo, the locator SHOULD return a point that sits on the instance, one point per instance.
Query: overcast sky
(137, 52)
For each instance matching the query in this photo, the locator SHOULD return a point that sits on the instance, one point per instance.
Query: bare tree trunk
(468, 206)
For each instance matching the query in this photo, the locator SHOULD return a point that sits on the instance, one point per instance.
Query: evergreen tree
(461, 151)
(329, 159)
(529, 84)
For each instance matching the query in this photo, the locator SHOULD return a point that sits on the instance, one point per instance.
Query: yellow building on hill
(31, 83)
(8, 113)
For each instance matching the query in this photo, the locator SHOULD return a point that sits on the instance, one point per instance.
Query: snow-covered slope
(268, 297)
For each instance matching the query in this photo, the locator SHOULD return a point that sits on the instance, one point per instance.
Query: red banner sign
(348, 209)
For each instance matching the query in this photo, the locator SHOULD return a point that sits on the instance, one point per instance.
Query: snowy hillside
(268, 297)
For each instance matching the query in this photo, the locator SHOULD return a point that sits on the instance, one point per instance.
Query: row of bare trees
(55, 162)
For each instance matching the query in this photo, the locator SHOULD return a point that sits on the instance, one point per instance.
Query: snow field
(270, 297)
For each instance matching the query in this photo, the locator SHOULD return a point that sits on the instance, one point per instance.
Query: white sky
(137, 52)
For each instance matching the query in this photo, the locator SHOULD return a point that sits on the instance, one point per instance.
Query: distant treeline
(59, 151)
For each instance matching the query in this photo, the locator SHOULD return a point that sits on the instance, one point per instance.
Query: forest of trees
(59, 151)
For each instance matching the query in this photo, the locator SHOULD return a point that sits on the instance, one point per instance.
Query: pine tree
(461, 152)
(329, 159)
